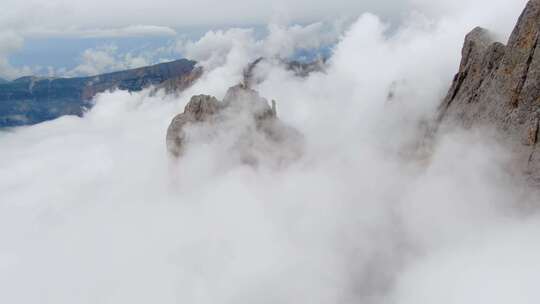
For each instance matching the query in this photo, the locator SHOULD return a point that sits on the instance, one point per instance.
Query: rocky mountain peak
(243, 112)
(499, 85)
(476, 42)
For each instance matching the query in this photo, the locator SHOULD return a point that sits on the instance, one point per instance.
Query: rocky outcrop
(304, 69)
(201, 108)
(499, 85)
(260, 134)
(30, 100)
(298, 68)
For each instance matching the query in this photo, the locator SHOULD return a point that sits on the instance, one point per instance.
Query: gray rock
(260, 134)
(299, 69)
(199, 109)
(499, 86)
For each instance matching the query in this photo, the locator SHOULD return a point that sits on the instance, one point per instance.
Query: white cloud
(122, 18)
(93, 210)
(497, 268)
(61, 14)
(217, 47)
(106, 59)
(10, 42)
(128, 31)
(212, 50)
(285, 40)
(496, 15)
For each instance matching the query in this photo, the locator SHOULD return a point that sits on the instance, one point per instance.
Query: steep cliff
(499, 85)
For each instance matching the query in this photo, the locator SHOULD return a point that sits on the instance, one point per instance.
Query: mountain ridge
(30, 99)
(498, 85)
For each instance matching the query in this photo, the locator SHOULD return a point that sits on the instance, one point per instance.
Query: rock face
(30, 100)
(201, 108)
(259, 133)
(499, 85)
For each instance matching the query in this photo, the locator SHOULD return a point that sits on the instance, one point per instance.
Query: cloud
(110, 19)
(211, 49)
(498, 268)
(105, 59)
(108, 58)
(217, 47)
(493, 15)
(61, 14)
(214, 48)
(128, 31)
(285, 40)
(92, 209)
(9, 43)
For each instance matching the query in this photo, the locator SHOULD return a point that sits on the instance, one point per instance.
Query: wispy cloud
(128, 31)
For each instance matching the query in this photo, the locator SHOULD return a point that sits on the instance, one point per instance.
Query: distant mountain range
(30, 100)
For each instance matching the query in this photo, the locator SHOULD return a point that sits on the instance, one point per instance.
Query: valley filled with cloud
(375, 210)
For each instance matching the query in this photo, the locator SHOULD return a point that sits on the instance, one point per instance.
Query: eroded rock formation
(499, 85)
(260, 134)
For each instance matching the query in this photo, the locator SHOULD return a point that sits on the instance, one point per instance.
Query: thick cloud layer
(93, 210)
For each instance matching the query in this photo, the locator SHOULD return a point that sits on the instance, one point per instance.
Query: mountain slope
(499, 85)
(30, 100)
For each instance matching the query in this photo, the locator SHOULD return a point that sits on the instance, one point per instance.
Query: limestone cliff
(499, 85)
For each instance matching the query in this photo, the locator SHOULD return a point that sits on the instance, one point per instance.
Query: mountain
(244, 114)
(498, 86)
(263, 131)
(30, 100)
